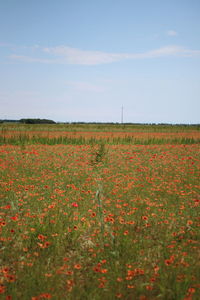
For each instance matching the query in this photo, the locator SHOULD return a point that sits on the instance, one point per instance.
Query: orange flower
(70, 284)
(130, 286)
(118, 295)
(45, 295)
(189, 222)
(170, 260)
(126, 232)
(45, 245)
(104, 271)
(130, 272)
(2, 289)
(48, 274)
(103, 261)
(77, 267)
(119, 279)
(149, 287)
(41, 237)
(69, 272)
(191, 290)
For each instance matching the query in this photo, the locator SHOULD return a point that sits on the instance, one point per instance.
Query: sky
(83, 60)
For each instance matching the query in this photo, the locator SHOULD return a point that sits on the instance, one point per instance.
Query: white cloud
(83, 57)
(172, 33)
(68, 55)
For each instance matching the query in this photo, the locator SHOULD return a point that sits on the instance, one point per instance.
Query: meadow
(99, 212)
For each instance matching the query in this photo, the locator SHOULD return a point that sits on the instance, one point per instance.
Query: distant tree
(8, 121)
(36, 121)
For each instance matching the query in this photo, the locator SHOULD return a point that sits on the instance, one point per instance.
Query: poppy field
(100, 220)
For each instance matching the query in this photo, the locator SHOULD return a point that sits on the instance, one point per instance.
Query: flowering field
(100, 222)
(92, 133)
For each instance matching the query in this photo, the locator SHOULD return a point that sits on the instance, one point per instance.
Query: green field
(100, 219)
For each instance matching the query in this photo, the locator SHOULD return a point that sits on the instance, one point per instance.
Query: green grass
(101, 127)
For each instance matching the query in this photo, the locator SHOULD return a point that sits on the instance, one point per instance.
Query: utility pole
(122, 115)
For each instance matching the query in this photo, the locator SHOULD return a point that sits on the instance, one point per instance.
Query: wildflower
(189, 222)
(119, 279)
(191, 290)
(170, 260)
(66, 259)
(142, 297)
(152, 279)
(41, 237)
(70, 284)
(10, 278)
(45, 295)
(77, 267)
(45, 245)
(2, 223)
(126, 232)
(2, 289)
(48, 275)
(103, 261)
(5, 270)
(118, 295)
(139, 271)
(74, 204)
(129, 277)
(131, 272)
(149, 287)
(102, 282)
(69, 272)
(14, 218)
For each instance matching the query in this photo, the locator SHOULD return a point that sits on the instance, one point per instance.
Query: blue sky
(82, 60)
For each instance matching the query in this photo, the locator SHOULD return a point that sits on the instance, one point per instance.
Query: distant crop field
(105, 219)
(18, 134)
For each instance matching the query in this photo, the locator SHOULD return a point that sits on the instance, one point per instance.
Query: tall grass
(25, 139)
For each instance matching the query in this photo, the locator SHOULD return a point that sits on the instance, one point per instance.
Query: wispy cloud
(69, 55)
(29, 59)
(172, 33)
(83, 57)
